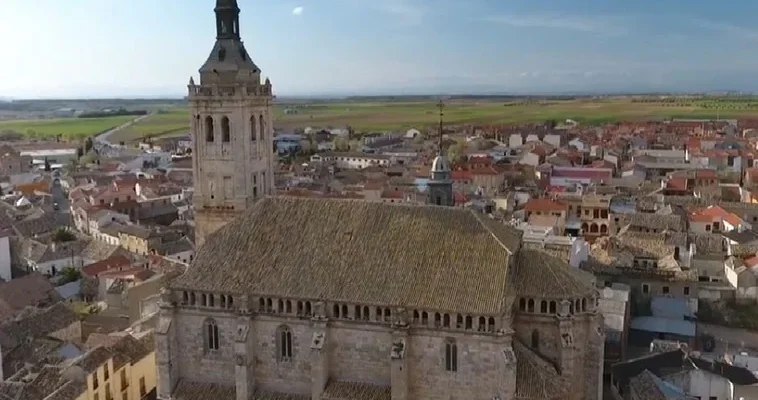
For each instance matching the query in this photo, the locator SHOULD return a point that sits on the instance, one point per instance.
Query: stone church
(350, 300)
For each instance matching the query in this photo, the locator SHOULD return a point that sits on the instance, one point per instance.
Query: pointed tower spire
(227, 19)
(440, 185)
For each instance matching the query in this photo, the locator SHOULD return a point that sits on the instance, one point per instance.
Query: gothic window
(535, 339)
(543, 306)
(262, 129)
(226, 134)
(284, 343)
(451, 355)
(211, 335)
(209, 129)
(253, 129)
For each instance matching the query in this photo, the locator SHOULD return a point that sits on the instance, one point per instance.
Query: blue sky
(91, 48)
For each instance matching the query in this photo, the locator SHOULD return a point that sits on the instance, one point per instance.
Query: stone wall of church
(195, 362)
(483, 370)
(209, 221)
(356, 352)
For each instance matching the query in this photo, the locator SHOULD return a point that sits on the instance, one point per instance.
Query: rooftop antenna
(441, 106)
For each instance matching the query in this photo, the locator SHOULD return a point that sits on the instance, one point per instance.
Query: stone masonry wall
(195, 362)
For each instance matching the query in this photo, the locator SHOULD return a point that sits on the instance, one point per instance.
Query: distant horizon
(346, 95)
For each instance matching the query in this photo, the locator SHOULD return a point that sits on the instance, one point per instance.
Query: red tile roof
(110, 263)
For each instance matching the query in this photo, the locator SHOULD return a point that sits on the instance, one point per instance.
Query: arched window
(530, 305)
(552, 307)
(415, 316)
(491, 324)
(366, 313)
(446, 320)
(424, 318)
(229, 301)
(284, 343)
(378, 315)
(253, 129)
(308, 310)
(603, 228)
(543, 306)
(185, 298)
(211, 335)
(288, 307)
(469, 322)
(522, 304)
(357, 312)
(226, 132)
(459, 321)
(387, 315)
(593, 228)
(203, 300)
(280, 305)
(262, 304)
(211, 301)
(209, 135)
(535, 339)
(437, 320)
(223, 301)
(299, 308)
(451, 355)
(262, 129)
(344, 311)
(482, 324)
(269, 305)
(584, 305)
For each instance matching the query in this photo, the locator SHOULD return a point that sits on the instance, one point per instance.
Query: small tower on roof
(440, 186)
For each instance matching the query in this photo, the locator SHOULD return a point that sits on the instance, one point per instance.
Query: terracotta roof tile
(539, 274)
(364, 252)
(535, 377)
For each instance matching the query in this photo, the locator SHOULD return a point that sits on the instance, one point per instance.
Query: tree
(88, 144)
(70, 274)
(455, 153)
(341, 144)
(63, 235)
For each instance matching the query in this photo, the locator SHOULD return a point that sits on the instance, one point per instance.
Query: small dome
(440, 164)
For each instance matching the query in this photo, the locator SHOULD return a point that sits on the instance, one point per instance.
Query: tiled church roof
(363, 252)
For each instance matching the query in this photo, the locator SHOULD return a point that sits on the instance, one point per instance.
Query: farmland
(403, 113)
(68, 128)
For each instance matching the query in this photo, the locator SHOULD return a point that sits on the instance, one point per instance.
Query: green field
(68, 128)
(380, 115)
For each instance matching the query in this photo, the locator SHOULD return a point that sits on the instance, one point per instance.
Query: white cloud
(565, 22)
(297, 11)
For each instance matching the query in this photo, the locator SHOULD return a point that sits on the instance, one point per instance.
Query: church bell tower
(231, 125)
(440, 186)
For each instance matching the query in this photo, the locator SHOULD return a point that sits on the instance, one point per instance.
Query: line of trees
(113, 113)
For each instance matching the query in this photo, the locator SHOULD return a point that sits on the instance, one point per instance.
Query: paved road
(60, 198)
(102, 139)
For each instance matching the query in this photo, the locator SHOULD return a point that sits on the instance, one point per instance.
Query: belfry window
(262, 128)
(209, 129)
(226, 134)
(451, 355)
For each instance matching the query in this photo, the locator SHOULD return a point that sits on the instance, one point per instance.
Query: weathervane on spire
(441, 106)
